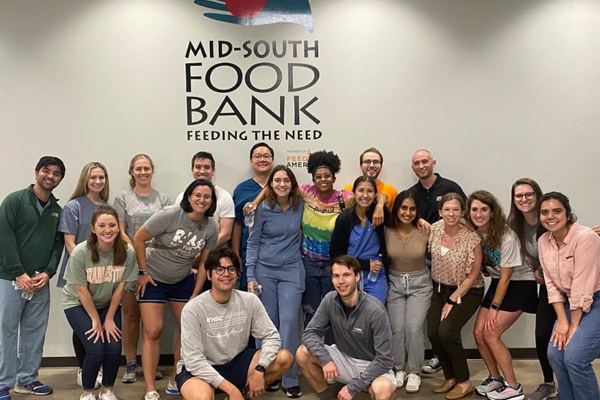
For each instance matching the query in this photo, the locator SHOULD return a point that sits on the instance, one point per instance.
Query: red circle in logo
(245, 8)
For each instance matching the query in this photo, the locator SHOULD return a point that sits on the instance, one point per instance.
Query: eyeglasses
(262, 157)
(528, 196)
(369, 162)
(323, 177)
(221, 270)
(199, 196)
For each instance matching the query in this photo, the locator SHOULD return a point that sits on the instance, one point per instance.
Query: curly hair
(323, 158)
(497, 227)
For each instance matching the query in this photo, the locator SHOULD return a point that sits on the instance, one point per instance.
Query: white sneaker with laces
(400, 377)
(89, 396)
(108, 395)
(172, 388)
(507, 392)
(489, 385)
(152, 395)
(413, 383)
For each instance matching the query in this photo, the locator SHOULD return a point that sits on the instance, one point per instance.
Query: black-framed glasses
(221, 270)
(528, 196)
(262, 157)
(369, 162)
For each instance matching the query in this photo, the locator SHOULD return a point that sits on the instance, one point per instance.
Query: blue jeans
(31, 316)
(318, 284)
(573, 365)
(107, 355)
(282, 298)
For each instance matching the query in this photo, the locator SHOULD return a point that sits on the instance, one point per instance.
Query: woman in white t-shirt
(512, 291)
(178, 238)
(96, 274)
(134, 206)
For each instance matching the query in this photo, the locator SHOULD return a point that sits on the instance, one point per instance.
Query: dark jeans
(544, 322)
(318, 284)
(445, 335)
(106, 355)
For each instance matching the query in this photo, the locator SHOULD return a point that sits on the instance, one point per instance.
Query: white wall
(497, 90)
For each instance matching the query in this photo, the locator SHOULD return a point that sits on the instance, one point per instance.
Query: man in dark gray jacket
(361, 357)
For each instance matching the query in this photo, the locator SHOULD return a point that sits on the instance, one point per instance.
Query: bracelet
(451, 302)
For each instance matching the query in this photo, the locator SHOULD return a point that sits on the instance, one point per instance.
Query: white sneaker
(172, 388)
(87, 397)
(98, 380)
(507, 392)
(108, 395)
(413, 383)
(152, 395)
(489, 385)
(400, 377)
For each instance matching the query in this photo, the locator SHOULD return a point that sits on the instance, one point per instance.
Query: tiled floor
(63, 382)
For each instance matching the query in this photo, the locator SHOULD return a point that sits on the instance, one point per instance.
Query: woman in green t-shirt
(96, 274)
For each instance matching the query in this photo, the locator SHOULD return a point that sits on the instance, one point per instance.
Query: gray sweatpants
(408, 301)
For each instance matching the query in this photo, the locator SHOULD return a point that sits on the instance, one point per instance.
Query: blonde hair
(132, 163)
(82, 183)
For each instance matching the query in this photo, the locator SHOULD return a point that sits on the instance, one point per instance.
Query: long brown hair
(82, 183)
(270, 195)
(497, 225)
(119, 245)
(132, 164)
(516, 220)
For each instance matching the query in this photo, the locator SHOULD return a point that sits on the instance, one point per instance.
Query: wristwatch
(142, 272)
(260, 368)
(495, 306)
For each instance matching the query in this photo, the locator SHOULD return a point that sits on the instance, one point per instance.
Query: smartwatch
(260, 368)
(142, 272)
(495, 306)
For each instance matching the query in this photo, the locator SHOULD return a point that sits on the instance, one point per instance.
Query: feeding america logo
(259, 12)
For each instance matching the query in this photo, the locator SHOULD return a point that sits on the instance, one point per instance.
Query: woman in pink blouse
(457, 292)
(570, 257)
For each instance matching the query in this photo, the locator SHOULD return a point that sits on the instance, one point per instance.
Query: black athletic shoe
(273, 386)
(293, 392)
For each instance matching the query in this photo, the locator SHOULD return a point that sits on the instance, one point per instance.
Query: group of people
(372, 272)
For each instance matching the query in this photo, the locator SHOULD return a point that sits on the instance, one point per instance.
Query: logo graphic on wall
(259, 12)
(297, 158)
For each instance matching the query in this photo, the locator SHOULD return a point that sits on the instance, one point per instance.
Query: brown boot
(458, 392)
(445, 387)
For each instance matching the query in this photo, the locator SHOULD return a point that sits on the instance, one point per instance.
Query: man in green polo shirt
(30, 249)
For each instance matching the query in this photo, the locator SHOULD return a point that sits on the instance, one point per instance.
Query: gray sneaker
(544, 392)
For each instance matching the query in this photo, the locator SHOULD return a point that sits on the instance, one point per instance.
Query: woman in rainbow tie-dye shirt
(322, 205)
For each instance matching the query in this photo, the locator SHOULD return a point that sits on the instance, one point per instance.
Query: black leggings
(544, 322)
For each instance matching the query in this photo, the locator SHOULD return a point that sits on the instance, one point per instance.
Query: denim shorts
(163, 292)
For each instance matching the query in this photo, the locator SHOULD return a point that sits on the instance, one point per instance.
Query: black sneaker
(273, 386)
(293, 392)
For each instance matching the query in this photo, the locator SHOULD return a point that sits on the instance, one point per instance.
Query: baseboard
(167, 359)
